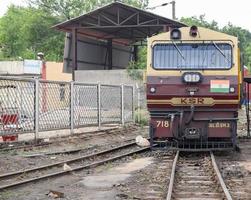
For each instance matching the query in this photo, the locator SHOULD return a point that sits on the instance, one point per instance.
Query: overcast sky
(222, 11)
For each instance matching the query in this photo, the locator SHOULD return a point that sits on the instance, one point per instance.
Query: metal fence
(33, 105)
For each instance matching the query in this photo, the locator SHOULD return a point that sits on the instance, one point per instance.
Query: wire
(164, 4)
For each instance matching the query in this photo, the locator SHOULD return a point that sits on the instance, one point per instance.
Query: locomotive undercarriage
(188, 132)
(194, 145)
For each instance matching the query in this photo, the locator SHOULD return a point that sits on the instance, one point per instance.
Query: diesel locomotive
(193, 83)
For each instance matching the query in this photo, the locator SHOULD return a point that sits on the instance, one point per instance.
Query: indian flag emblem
(221, 86)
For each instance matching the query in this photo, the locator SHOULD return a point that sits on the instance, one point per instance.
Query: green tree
(26, 31)
(12, 43)
(244, 37)
(135, 69)
(200, 21)
(67, 9)
(247, 55)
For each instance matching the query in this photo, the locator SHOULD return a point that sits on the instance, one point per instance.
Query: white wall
(20, 67)
(11, 67)
(114, 77)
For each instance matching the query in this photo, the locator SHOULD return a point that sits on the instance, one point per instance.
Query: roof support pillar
(75, 53)
(109, 51)
(165, 28)
(135, 53)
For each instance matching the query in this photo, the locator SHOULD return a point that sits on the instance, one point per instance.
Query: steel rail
(223, 185)
(73, 169)
(53, 153)
(24, 146)
(71, 151)
(215, 167)
(62, 172)
(171, 182)
(2, 176)
(81, 136)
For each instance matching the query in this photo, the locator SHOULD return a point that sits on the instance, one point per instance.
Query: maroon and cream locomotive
(193, 89)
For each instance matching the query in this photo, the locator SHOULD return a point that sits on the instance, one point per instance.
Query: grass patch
(141, 117)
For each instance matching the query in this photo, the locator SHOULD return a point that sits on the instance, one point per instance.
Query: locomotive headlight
(152, 90)
(231, 89)
(193, 31)
(193, 77)
(175, 34)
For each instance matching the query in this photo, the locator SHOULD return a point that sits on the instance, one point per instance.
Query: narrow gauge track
(196, 177)
(30, 145)
(18, 178)
(22, 146)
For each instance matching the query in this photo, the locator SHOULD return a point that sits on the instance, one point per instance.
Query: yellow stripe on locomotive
(193, 84)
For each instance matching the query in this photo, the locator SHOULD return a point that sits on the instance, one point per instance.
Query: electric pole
(164, 4)
(173, 10)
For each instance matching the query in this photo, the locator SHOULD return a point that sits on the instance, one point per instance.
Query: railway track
(14, 179)
(9, 146)
(196, 177)
(21, 145)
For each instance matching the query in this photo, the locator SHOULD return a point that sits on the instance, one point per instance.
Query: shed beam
(128, 18)
(108, 19)
(150, 21)
(118, 15)
(75, 53)
(117, 34)
(123, 26)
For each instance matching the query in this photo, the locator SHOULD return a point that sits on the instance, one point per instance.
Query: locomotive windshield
(192, 56)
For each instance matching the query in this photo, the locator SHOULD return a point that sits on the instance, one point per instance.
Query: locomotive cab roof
(204, 34)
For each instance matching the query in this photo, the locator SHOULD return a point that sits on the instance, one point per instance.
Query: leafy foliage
(67, 9)
(26, 31)
(244, 37)
(200, 21)
(141, 117)
(136, 69)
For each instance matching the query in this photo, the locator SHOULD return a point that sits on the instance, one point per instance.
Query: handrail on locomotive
(193, 79)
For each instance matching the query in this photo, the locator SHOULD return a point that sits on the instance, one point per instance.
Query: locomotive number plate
(192, 100)
(163, 124)
(219, 125)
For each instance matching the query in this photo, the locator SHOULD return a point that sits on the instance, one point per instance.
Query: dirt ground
(143, 176)
(19, 159)
(235, 168)
(14, 160)
(132, 177)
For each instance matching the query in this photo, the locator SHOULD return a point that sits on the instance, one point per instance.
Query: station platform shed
(108, 38)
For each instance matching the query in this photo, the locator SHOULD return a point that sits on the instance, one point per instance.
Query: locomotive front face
(193, 88)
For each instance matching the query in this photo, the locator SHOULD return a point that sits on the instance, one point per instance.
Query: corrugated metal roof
(121, 22)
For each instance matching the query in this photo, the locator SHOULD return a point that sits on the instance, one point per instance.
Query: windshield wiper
(204, 56)
(222, 53)
(177, 48)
